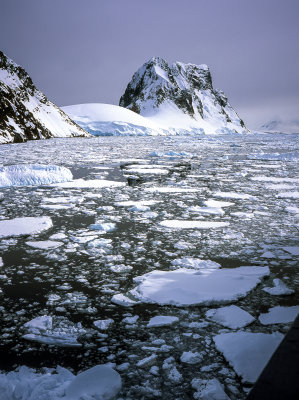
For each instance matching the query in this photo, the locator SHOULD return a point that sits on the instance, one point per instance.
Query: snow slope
(26, 113)
(110, 120)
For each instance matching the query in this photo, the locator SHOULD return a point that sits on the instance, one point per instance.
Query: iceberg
(33, 175)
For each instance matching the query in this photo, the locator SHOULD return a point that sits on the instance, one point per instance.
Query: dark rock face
(185, 87)
(25, 112)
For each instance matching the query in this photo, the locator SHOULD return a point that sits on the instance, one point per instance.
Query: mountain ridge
(25, 112)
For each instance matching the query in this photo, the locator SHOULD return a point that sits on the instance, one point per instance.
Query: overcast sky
(85, 51)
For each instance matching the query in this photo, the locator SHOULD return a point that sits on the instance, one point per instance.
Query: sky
(86, 51)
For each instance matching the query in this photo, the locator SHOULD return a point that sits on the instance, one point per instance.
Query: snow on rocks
(56, 331)
(24, 226)
(248, 353)
(189, 224)
(186, 286)
(279, 288)
(232, 317)
(210, 389)
(279, 315)
(31, 175)
(162, 320)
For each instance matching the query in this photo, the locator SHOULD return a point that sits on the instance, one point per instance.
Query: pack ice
(24, 226)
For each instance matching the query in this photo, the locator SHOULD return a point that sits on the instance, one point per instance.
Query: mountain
(181, 97)
(25, 112)
(281, 126)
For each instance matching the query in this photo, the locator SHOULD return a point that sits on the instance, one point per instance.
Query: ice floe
(248, 353)
(233, 195)
(24, 226)
(44, 244)
(279, 315)
(210, 389)
(232, 317)
(56, 331)
(162, 320)
(279, 288)
(103, 324)
(100, 382)
(31, 175)
(191, 224)
(171, 189)
(186, 286)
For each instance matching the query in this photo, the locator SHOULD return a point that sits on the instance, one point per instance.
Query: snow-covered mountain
(181, 97)
(25, 112)
(281, 126)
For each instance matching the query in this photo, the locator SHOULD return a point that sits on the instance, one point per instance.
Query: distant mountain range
(25, 112)
(281, 126)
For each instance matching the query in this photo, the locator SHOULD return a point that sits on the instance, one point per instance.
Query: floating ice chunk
(150, 171)
(130, 203)
(195, 263)
(103, 324)
(231, 317)
(139, 208)
(103, 226)
(99, 382)
(44, 244)
(171, 189)
(248, 353)
(189, 224)
(58, 332)
(130, 320)
(145, 362)
(42, 323)
(233, 195)
(123, 300)
(1, 262)
(292, 209)
(217, 204)
(274, 179)
(24, 226)
(279, 289)
(186, 287)
(90, 184)
(289, 195)
(56, 206)
(170, 153)
(268, 254)
(162, 320)
(279, 315)
(208, 389)
(29, 175)
(188, 357)
(206, 210)
(294, 250)
(121, 268)
(174, 375)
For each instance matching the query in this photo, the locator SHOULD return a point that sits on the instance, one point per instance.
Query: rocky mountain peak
(185, 88)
